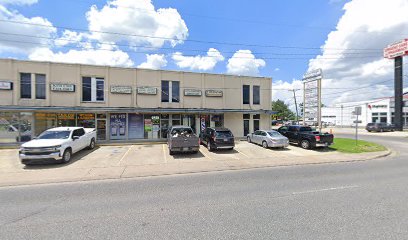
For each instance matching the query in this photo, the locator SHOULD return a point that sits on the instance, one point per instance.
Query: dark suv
(217, 138)
(380, 127)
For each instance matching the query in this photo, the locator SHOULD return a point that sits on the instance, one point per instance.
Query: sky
(277, 39)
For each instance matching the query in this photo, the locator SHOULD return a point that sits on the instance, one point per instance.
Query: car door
(262, 137)
(83, 141)
(292, 134)
(256, 136)
(283, 131)
(75, 142)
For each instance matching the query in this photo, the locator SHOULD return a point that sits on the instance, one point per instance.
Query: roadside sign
(396, 49)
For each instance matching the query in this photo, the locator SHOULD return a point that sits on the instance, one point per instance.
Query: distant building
(377, 110)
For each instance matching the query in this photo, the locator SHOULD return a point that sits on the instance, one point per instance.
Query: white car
(57, 144)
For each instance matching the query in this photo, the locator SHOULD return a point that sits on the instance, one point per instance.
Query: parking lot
(111, 162)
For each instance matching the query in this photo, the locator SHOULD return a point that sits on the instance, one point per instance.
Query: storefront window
(189, 120)
(135, 126)
(66, 119)
(118, 126)
(217, 120)
(9, 126)
(44, 121)
(26, 122)
(86, 120)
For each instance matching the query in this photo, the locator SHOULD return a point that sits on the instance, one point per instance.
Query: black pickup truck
(305, 137)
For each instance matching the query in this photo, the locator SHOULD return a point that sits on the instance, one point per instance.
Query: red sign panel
(397, 49)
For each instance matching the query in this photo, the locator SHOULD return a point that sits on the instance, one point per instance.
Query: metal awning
(133, 110)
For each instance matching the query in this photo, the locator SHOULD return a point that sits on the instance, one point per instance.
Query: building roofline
(133, 68)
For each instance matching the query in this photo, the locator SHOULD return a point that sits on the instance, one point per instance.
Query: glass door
(101, 129)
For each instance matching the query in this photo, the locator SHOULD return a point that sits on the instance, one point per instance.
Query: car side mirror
(75, 138)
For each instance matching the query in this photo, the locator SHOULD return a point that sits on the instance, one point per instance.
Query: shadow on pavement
(187, 155)
(50, 164)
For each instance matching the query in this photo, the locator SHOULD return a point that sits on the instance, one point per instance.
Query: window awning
(135, 110)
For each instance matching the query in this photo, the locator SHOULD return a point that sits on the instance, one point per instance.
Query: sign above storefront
(192, 92)
(62, 87)
(147, 90)
(396, 50)
(6, 85)
(213, 93)
(121, 89)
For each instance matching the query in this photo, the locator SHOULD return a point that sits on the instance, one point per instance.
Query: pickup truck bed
(182, 139)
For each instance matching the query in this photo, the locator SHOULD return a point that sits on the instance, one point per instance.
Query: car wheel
(231, 149)
(305, 144)
(381, 130)
(209, 146)
(249, 139)
(264, 144)
(66, 157)
(171, 152)
(92, 144)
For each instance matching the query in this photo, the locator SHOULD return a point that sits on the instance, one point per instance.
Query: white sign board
(311, 96)
(192, 92)
(121, 89)
(6, 85)
(147, 90)
(396, 50)
(62, 87)
(213, 93)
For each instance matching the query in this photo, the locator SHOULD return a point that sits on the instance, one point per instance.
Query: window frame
(93, 89)
(258, 95)
(246, 90)
(40, 86)
(27, 92)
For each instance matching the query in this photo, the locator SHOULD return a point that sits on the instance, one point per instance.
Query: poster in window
(148, 125)
(135, 126)
(118, 125)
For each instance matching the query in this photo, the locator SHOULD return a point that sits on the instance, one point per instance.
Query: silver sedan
(268, 138)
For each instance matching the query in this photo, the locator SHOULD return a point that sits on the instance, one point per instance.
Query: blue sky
(278, 39)
(279, 23)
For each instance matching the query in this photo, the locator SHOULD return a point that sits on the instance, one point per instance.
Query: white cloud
(136, 20)
(18, 2)
(14, 41)
(361, 27)
(154, 61)
(282, 90)
(70, 37)
(94, 56)
(277, 69)
(243, 62)
(204, 63)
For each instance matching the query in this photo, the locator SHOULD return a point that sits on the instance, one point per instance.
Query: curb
(231, 168)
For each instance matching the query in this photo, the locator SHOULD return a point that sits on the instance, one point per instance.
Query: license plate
(185, 149)
(225, 139)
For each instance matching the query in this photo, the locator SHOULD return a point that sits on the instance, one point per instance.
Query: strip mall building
(126, 104)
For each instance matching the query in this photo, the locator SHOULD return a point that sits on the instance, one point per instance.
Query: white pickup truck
(57, 144)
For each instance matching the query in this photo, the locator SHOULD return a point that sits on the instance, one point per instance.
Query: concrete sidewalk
(114, 162)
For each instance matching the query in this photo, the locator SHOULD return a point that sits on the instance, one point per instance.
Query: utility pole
(294, 96)
(342, 116)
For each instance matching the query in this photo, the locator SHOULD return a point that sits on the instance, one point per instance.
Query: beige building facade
(126, 104)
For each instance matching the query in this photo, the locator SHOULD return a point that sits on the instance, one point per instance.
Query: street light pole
(297, 113)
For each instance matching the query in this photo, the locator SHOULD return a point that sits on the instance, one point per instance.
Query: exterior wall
(231, 86)
(226, 109)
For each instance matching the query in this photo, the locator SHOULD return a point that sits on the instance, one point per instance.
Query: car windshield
(305, 129)
(223, 134)
(181, 131)
(274, 134)
(54, 135)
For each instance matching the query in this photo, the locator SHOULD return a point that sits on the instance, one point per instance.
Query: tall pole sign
(312, 97)
(396, 51)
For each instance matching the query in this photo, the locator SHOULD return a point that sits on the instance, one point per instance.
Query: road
(359, 200)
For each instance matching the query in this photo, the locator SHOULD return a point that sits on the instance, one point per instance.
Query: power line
(184, 55)
(175, 49)
(175, 39)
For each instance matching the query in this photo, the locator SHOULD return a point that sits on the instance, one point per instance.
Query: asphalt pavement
(357, 200)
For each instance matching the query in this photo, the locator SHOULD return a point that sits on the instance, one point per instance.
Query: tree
(283, 111)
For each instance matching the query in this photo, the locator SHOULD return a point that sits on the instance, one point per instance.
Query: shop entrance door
(246, 127)
(101, 130)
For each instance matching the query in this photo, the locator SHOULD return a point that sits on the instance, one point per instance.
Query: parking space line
(206, 155)
(124, 155)
(164, 154)
(242, 153)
